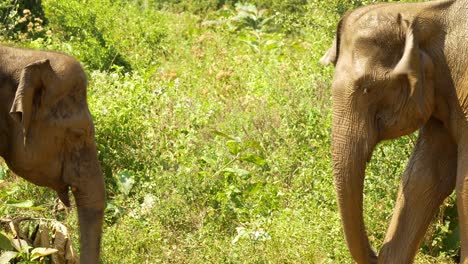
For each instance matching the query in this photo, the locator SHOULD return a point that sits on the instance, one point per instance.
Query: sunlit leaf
(219, 133)
(42, 252)
(255, 159)
(241, 233)
(233, 146)
(237, 171)
(209, 161)
(20, 204)
(20, 245)
(254, 144)
(7, 256)
(126, 181)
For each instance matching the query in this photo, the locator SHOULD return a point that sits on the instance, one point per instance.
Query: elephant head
(51, 134)
(383, 88)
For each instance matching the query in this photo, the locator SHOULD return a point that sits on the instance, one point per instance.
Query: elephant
(47, 134)
(401, 67)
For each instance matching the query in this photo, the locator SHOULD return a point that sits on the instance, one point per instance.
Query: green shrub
(108, 33)
(21, 19)
(79, 27)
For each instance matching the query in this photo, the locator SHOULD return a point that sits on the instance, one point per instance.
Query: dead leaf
(60, 242)
(42, 236)
(71, 257)
(12, 227)
(63, 244)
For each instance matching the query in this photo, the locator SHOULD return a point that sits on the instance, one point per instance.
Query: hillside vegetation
(213, 128)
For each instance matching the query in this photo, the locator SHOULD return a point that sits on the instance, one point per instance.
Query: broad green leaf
(42, 252)
(7, 256)
(255, 159)
(126, 181)
(452, 241)
(219, 133)
(5, 242)
(225, 13)
(37, 208)
(241, 233)
(237, 171)
(209, 160)
(233, 147)
(254, 188)
(254, 144)
(20, 204)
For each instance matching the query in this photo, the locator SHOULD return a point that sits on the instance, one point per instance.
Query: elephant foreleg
(462, 198)
(428, 179)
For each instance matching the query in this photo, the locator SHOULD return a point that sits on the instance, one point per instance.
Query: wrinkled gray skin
(401, 67)
(47, 134)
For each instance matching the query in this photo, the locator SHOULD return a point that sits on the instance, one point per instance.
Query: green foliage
(445, 233)
(128, 36)
(21, 19)
(80, 29)
(213, 129)
(237, 194)
(18, 251)
(8, 14)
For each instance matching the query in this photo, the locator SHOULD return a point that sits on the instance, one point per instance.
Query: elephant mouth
(63, 195)
(63, 189)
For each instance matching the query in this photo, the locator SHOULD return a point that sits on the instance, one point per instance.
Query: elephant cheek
(68, 178)
(71, 169)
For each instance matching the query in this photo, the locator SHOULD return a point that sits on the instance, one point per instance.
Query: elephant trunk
(90, 201)
(90, 221)
(351, 148)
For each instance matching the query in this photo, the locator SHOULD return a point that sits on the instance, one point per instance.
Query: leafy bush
(126, 39)
(21, 19)
(8, 13)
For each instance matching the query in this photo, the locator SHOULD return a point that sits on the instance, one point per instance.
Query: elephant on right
(401, 67)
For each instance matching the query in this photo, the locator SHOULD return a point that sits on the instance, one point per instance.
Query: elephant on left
(47, 134)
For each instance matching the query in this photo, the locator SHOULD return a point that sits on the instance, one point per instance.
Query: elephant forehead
(357, 62)
(373, 50)
(378, 19)
(377, 26)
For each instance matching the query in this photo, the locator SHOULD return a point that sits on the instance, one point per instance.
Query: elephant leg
(462, 198)
(428, 179)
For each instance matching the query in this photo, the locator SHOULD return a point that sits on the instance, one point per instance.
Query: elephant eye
(362, 85)
(364, 88)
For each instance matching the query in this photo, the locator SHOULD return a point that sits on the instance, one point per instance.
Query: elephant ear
(331, 55)
(33, 83)
(416, 66)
